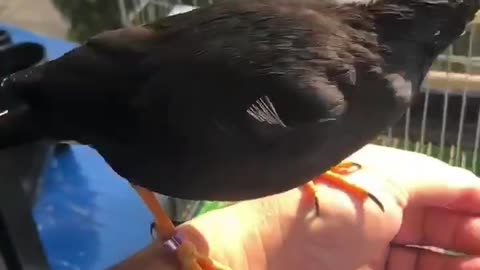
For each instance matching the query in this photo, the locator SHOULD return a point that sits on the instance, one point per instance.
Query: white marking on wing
(264, 111)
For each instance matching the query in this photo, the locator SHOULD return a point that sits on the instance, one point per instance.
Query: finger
(450, 230)
(441, 228)
(429, 261)
(450, 187)
(428, 181)
(401, 259)
(223, 234)
(412, 259)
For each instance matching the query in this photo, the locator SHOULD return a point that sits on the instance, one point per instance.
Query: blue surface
(88, 217)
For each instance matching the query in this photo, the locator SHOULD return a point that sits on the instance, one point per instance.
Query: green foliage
(211, 206)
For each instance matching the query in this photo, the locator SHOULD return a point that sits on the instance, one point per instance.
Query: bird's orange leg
(336, 177)
(187, 254)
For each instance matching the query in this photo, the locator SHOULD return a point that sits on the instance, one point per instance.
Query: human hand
(426, 203)
(442, 210)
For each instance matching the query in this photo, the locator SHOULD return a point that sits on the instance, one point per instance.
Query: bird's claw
(336, 177)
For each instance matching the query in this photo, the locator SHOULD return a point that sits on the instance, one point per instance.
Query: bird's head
(415, 32)
(434, 24)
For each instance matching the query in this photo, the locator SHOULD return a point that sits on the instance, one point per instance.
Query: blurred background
(40, 16)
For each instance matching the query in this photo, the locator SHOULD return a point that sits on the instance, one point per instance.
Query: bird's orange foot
(188, 256)
(336, 177)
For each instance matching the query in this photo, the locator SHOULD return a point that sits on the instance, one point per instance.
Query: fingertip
(463, 193)
(453, 188)
(409, 258)
(440, 261)
(468, 264)
(467, 200)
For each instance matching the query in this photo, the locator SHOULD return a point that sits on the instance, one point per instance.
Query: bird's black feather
(242, 98)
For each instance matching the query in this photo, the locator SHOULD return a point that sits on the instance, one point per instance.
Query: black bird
(237, 100)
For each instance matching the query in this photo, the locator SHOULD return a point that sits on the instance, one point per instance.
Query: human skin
(427, 202)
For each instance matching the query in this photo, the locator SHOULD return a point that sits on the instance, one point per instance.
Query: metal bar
(123, 13)
(475, 147)
(464, 96)
(390, 136)
(137, 9)
(423, 127)
(406, 133)
(445, 110)
(437, 80)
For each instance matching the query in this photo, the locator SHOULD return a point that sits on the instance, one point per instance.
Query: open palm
(426, 202)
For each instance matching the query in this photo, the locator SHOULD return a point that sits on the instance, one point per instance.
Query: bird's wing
(235, 69)
(238, 71)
